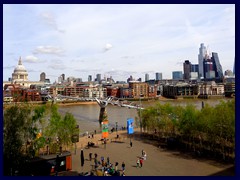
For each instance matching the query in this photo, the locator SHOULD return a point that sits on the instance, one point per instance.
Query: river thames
(87, 114)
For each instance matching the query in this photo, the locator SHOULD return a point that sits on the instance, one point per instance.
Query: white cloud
(49, 19)
(108, 47)
(49, 50)
(32, 59)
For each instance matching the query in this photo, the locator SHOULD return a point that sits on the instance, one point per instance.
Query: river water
(87, 114)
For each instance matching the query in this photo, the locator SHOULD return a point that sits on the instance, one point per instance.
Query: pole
(140, 115)
(75, 148)
(117, 129)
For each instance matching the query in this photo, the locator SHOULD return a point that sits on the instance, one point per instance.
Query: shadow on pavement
(227, 172)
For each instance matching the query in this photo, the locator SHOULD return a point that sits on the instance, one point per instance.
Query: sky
(115, 40)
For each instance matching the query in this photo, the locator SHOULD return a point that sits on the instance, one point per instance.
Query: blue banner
(130, 126)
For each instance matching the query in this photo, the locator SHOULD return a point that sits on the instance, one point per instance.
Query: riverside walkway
(159, 162)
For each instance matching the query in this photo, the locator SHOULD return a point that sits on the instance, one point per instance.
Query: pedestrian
(143, 153)
(145, 156)
(95, 131)
(123, 166)
(102, 160)
(95, 155)
(90, 156)
(108, 161)
(116, 166)
(138, 162)
(96, 163)
(141, 162)
(130, 143)
(92, 136)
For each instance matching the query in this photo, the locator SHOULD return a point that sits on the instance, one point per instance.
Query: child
(138, 162)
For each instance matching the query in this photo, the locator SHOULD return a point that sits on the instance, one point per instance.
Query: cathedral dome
(20, 67)
(20, 72)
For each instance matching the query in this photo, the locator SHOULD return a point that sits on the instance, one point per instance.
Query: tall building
(217, 66)
(201, 56)
(146, 77)
(98, 78)
(177, 75)
(158, 76)
(209, 71)
(89, 78)
(63, 77)
(43, 76)
(187, 69)
(20, 72)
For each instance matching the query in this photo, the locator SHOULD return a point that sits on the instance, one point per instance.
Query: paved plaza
(159, 162)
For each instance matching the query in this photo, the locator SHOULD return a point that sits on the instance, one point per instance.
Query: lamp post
(140, 115)
(117, 128)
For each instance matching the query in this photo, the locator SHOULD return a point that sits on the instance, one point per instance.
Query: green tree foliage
(60, 130)
(14, 130)
(214, 126)
(26, 130)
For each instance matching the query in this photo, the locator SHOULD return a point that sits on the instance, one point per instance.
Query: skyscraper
(217, 66)
(201, 56)
(99, 78)
(42, 76)
(209, 71)
(146, 77)
(63, 77)
(158, 76)
(187, 69)
(89, 78)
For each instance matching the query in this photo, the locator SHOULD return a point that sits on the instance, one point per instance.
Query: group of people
(141, 159)
(90, 135)
(107, 167)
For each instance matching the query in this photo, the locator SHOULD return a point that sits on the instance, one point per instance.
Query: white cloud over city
(115, 40)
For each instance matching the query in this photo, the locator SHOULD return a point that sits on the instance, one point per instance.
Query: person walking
(102, 160)
(138, 162)
(90, 156)
(145, 156)
(131, 144)
(141, 162)
(123, 166)
(116, 166)
(95, 163)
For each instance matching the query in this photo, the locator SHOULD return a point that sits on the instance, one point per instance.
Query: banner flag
(130, 129)
(105, 129)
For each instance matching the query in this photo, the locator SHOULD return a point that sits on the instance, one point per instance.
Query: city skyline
(114, 40)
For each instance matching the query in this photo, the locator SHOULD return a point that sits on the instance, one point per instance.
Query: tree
(15, 118)
(60, 130)
(26, 130)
